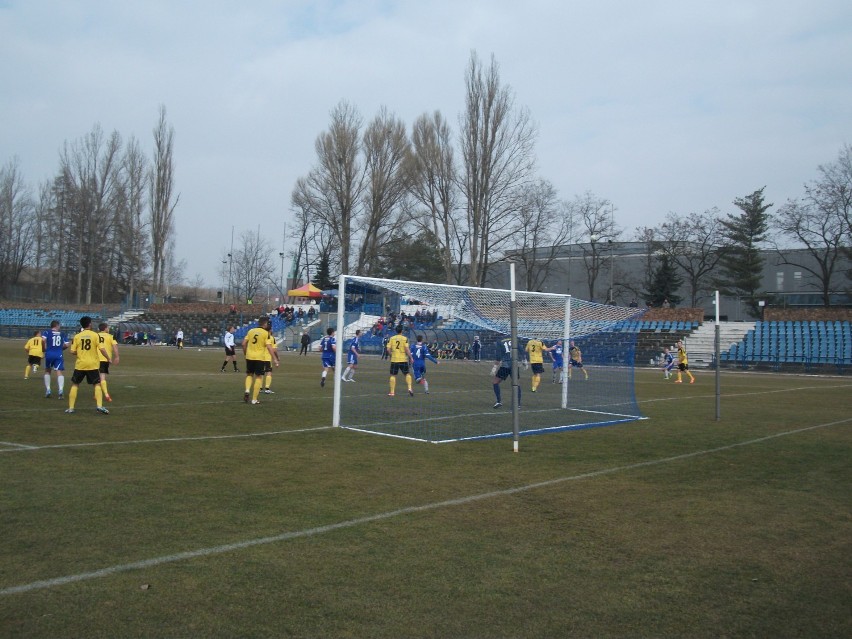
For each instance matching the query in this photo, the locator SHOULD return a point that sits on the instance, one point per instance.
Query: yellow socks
(392, 385)
(72, 397)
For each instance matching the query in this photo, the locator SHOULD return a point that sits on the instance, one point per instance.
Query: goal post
(464, 328)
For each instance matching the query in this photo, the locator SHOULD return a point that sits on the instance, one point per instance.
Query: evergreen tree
(415, 258)
(322, 278)
(741, 265)
(664, 283)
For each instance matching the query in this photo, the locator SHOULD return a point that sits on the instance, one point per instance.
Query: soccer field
(187, 513)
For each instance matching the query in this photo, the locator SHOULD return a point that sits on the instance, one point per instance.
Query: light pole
(611, 265)
(230, 264)
(223, 280)
(593, 238)
(281, 255)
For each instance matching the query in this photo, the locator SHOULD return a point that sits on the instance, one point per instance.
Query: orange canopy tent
(308, 290)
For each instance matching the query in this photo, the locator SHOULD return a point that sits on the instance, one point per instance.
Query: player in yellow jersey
(682, 364)
(86, 346)
(575, 359)
(254, 346)
(35, 351)
(110, 347)
(267, 362)
(400, 357)
(534, 351)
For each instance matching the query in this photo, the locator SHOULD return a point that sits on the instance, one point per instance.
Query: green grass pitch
(187, 513)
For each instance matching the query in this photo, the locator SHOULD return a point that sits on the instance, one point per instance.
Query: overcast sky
(660, 106)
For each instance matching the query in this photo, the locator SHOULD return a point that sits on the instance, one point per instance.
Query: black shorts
(683, 366)
(267, 368)
(255, 367)
(399, 367)
(93, 377)
(229, 351)
(575, 364)
(33, 360)
(503, 372)
(104, 368)
(537, 369)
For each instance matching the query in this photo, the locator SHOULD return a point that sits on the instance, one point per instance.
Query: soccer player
(254, 346)
(55, 342)
(682, 364)
(267, 362)
(107, 353)
(400, 357)
(503, 369)
(230, 352)
(534, 350)
(35, 351)
(352, 357)
(179, 338)
(419, 354)
(558, 361)
(328, 350)
(385, 341)
(575, 359)
(86, 345)
(668, 362)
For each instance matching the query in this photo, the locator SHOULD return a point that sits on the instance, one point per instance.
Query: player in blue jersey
(352, 358)
(55, 342)
(503, 368)
(556, 352)
(668, 363)
(328, 348)
(420, 353)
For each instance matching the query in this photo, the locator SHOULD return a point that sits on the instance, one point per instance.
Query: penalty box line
(449, 503)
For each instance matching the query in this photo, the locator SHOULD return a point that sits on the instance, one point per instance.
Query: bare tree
(386, 149)
(162, 199)
(497, 144)
(332, 190)
(544, 227)
(818, 223)
(595, 217)
(90, 170)
(252, 264)
(693, 243)
(434, 185)
(131, 234)
(16, 225)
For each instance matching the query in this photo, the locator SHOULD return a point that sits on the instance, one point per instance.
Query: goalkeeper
(503, 369)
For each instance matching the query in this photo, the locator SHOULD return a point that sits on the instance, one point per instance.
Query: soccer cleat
(677, 381)
(322, 381)
(61, 396)
(255, 402)
(410, 393)
(102, 410)
(390, 394)
(246, 397)
(69, 410)
(268, 391)
(222, 371)
(350, 380)
(47, 395)
(532, 390)
(498, 404)
(692, 381)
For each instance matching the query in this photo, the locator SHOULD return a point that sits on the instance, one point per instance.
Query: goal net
(464, 329)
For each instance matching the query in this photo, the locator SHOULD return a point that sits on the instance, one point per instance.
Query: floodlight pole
(718, 362)
(513, 334)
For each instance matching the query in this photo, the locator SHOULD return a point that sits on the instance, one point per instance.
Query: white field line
(19, 447)
(351, 523)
